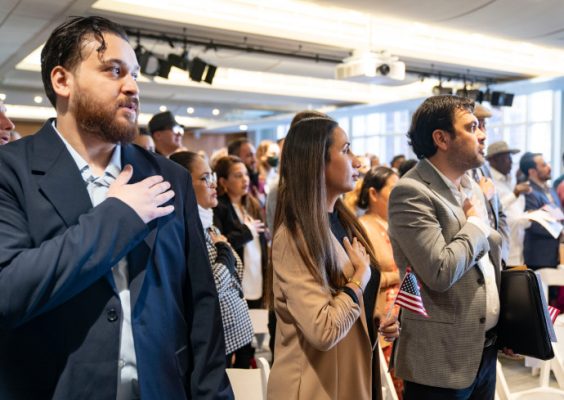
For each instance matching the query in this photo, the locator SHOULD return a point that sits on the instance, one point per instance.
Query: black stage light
(501, 99)
(164, 68)
(199, 70)
(210, 73)
(179, 61)
(440, 90)
(149, 63)
(473, 94)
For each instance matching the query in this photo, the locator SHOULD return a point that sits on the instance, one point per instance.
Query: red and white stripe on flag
(553, 312)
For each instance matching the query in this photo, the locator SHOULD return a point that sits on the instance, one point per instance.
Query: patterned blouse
(227, 270)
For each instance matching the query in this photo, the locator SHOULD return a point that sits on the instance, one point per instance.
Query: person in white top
(511, 197)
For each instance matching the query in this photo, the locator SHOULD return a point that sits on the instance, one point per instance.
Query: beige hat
(481, 112)
(500, 148)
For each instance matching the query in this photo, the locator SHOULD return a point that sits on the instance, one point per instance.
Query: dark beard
(100, 120)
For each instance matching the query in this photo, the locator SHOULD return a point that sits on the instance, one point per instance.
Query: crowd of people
(128, 271)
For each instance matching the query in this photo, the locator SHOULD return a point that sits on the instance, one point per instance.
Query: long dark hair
(222, 168)
(375, 178)
(301, 205)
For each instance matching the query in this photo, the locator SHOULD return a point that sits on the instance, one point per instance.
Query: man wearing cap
(166, 132)
(483, 177)
(510, 196)
(540, 248)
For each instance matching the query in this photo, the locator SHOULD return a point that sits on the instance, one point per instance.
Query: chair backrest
(250, 384)
(551, 277)
(259, 319)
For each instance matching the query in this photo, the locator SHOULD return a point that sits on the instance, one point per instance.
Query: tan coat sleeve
(324, 319)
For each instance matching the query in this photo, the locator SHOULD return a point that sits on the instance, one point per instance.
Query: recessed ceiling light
(38, 99)
(162, 108)
(190, 110)
(215, 111)
(243, 127)
(2, 96)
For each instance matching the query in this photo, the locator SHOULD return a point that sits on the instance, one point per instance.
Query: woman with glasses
(226, 265)
(325, 274)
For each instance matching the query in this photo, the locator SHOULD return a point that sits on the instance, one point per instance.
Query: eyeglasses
(210, 179)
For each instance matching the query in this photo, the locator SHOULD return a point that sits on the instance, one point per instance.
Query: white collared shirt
(471, 190)
(97, 187)
(514, 209)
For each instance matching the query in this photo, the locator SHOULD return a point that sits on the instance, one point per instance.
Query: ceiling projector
(370, 67)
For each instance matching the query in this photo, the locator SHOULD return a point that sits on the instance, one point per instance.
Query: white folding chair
(388, 389)
(259, 320)
(250, 384)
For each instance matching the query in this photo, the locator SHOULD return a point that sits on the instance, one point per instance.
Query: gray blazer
(429, 232)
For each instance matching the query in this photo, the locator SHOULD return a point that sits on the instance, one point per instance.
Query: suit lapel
(437, 185)
(140, 257)
(58, 176)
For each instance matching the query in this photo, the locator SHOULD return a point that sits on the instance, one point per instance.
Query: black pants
(483, 387)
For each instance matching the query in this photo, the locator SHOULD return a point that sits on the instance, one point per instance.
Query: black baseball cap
(163, 121)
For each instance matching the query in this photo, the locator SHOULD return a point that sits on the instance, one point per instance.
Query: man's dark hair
(64, 46)
(436, 112)
(527, 162)
(406, 166)
(396, 158)
(235, 146)
(144, 131)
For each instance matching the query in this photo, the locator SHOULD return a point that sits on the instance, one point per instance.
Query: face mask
(272, 161)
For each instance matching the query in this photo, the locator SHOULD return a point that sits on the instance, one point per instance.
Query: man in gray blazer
(437, 231)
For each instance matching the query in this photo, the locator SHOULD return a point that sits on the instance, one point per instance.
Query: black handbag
(524, 325)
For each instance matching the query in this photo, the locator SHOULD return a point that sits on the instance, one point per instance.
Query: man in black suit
(106, 288)
(540, 248)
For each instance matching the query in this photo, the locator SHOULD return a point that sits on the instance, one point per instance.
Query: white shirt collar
(113, 167)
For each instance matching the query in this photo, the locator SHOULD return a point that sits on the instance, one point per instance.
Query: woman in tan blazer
(325, 282)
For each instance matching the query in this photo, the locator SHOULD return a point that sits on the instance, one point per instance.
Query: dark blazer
(60, 315)
(238, 234)
(540, 249)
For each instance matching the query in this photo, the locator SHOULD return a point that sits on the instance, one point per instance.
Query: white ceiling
(26, 24)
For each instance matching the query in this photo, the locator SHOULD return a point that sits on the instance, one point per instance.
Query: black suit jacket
(540, 249)
(60, 315)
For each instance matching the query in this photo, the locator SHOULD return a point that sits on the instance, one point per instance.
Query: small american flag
(409, 296)
(553, 312)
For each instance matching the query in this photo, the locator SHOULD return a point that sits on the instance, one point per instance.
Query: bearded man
(106, 288)
(438, 229)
